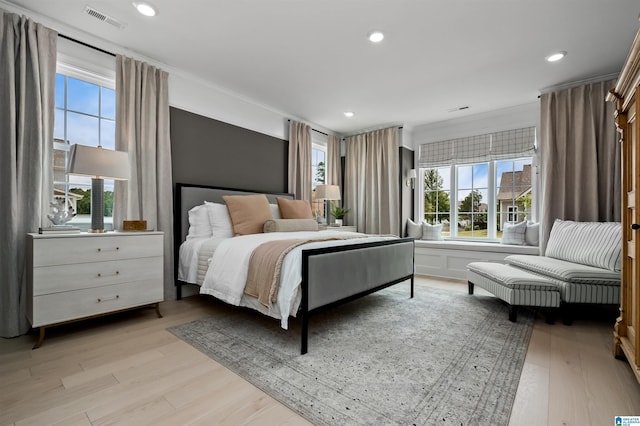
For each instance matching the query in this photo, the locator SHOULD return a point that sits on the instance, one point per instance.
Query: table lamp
(98, 163)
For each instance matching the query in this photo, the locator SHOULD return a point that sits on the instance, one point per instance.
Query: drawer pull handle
(116, 297)
(100, 274)
(116, 249)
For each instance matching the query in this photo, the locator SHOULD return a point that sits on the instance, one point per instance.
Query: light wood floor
(127, 369)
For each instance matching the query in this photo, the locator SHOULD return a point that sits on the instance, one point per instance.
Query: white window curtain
(580, 156)
(142, 130)
(300, 160)
(27, 85)
(481, 148)
(371, 181)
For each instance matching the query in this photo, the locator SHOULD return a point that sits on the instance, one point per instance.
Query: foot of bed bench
(304, 334)
(513, 313)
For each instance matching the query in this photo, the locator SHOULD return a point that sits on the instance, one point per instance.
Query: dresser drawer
(60, 307)
(59, 278)
(66, 251)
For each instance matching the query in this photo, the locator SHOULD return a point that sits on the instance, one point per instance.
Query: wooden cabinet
(75, 276)
(626, 95)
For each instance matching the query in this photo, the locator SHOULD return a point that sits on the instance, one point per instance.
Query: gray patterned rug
(440, 358)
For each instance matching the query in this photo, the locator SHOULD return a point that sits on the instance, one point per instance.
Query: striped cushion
(596, 244)
(511, 277)
(564, 271)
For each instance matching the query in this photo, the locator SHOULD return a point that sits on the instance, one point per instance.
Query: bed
(315, 275)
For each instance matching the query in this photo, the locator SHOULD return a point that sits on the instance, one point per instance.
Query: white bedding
(195, 256)
(227, 274)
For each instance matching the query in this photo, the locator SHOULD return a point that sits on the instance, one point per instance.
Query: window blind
(477, 149)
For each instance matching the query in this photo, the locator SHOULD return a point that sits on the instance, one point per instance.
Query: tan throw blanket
(265, 265)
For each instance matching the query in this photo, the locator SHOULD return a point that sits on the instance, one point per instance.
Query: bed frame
(330, 275)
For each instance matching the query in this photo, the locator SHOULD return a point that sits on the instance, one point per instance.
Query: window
(84, 114)
(318, 171)
(318, 165)
(437, 197)
(473, 186)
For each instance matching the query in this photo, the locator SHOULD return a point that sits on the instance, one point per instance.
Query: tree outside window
(437, 204)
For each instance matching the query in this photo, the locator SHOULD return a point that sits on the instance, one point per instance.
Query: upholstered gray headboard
(188, 196)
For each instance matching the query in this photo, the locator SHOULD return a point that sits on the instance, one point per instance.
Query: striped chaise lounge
(582, 264)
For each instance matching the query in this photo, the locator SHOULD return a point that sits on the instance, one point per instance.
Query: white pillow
(532, 234)
(431, 232)
(219, 219)
(513, 233)
(414, 230)
(199, 225)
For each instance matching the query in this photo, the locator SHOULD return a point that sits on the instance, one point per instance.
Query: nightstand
(344, 228)
(79, 276)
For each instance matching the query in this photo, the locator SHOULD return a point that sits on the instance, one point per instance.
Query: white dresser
(75, 276)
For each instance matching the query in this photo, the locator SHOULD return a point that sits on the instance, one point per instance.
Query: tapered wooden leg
(158, 310)
(40, 338)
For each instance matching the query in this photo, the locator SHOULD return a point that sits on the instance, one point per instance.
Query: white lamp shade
(412, 174)
(327, 192)
(98, 162)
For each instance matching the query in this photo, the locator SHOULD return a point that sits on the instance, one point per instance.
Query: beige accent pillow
(248, 213)
(290, 225)
(294, 209)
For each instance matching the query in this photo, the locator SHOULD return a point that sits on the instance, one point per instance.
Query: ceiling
(311, 59)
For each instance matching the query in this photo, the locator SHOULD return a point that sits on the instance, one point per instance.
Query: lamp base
(97, 206)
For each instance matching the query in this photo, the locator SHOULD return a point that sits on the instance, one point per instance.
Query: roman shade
(477, 149)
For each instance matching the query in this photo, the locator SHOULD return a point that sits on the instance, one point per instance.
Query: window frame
(492, 210)
(97, 73)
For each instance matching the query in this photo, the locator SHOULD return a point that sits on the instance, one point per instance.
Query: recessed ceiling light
(145, 8)
(556, 56)
(376, 36)
(349, 114)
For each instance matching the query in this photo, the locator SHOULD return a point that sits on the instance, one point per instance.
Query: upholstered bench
(515, 286)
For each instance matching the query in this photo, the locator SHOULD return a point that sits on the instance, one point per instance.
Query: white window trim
(491, 218)
(82, 63)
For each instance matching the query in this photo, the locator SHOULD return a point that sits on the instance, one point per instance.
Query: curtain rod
(369, 131)
(86, 45)
(289, 120)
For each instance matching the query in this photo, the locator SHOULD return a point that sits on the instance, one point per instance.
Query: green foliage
(435, 199)
(338, 212)
(469, 209)
(320, 170)
(83, 206)
(525, 200)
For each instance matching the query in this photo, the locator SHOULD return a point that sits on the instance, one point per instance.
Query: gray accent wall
(406, 193)
(205, 151)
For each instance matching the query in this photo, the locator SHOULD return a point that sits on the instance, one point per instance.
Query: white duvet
(227, 273)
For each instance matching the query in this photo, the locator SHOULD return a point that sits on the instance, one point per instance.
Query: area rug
(440, 358)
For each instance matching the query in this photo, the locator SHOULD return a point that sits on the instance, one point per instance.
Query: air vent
(104, 17)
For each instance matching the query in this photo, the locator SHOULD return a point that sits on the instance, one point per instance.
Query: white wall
(185, 91)
(516, 117)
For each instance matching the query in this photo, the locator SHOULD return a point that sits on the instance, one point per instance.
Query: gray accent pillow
(532, 234)
(414, 230)
(431, 232)
(290, 225)
(513, 233)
